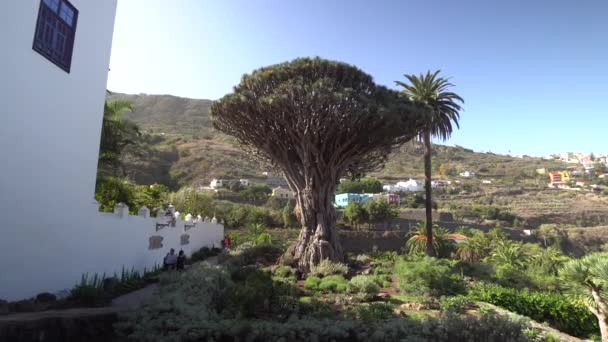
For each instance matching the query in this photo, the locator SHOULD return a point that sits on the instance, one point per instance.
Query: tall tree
(432, 92)
(117, 133)
(316, 120)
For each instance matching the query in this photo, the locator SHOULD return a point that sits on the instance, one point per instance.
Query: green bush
(370, 312)
(363, 284)
(312, 283)
(548, 307)
(363, 258)
(284, 272)
(455, 304)
(249, 298)
(425, 276)
(383, 280)
(334, 283)
(327, 267)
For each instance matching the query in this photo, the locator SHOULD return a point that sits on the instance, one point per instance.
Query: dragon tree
(316, 121)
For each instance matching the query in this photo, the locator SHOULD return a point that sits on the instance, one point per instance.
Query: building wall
(51, 118)
(75, 243)
(51, 231)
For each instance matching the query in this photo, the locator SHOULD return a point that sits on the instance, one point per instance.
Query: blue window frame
(55, 32)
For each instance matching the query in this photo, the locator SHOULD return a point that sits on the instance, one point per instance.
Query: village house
(467, 174)
(411, 185)
(390, 198)
(440, 183)
(342, 200)
(280, 192)
(559, 177)
(217, 183)
(244, 182)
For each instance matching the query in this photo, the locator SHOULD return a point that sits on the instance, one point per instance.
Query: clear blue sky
(534, 74)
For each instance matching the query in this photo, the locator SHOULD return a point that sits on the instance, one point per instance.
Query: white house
(486, 181)
(54, 66)
(410, 185)
(280, 192)
(244, 182)
(216, 183)
(467, 174)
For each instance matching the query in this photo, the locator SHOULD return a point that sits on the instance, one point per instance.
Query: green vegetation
(374, 211)
(426, 276)
(233, 301)
(327, 267)
(368, 185)
(547, 307)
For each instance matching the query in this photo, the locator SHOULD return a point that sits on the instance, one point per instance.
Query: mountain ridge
(181, 148)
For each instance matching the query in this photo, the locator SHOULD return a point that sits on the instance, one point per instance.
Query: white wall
(51, 232)
(89, 242)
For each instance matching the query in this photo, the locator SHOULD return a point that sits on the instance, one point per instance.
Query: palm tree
(417, 243)
(116, 134)
(509, 253)
(473, 249)
(432, 92)
(549, 260)
(586, 281)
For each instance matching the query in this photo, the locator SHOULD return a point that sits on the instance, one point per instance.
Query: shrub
(455, 304)
(312, 283)
(363, 284)
(444, 329)
(334, 283)
(383, 280)
(250, 297)
(386, 256)
(427, 276)
(370, 312)
(548, 307)
(284, 272)
(327, 267)
(363, 258)
(316, 308)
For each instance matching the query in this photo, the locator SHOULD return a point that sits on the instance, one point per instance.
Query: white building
(410, 185)
(244, 182)
(467, 174)
(54, 66)
(280, 192)
(216, 183)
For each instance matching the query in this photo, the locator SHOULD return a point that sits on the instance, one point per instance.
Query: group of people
(177, 262)
(173, 261)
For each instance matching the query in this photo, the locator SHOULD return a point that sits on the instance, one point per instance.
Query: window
(55, 31)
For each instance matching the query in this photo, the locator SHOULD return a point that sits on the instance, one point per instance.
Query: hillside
(183, 149)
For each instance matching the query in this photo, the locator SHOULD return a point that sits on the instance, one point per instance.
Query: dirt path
(138, 297)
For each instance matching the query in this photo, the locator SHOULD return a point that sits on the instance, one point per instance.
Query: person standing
(170, 260)
(181, 261)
